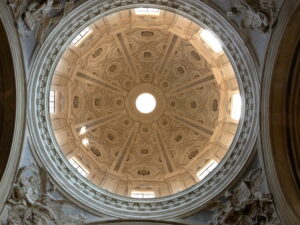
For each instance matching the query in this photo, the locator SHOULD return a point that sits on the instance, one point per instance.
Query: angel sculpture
(246, 204)
(27, 203)
(41, 15)
(255, 14)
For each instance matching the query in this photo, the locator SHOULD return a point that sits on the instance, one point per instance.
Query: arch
(7, 99)
(12, 101)
(280, 115)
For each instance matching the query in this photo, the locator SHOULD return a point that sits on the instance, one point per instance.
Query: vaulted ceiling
(96, 84)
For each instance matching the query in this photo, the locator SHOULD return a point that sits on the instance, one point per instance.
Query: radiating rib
(196, 83)
(193, 125)
(125, 49)
(123, 153)
(92, 79)
(166, 158)
(170, 49)
(92, 124)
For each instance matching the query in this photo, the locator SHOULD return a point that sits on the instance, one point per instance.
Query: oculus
(145, 103)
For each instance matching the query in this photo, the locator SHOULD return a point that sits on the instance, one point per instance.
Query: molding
(94, 198)
(19, 129)
(137, 222)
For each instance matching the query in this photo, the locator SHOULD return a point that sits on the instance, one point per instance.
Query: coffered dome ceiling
(95, 118)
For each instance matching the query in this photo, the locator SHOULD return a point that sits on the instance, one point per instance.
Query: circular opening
(145, 103)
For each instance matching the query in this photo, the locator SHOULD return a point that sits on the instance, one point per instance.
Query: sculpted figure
(246, 205)
(255, 14)
(31, 201)
(39, 15)
(25, 200)
(17, 7)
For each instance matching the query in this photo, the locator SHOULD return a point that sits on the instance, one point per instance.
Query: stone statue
(246, 205)
(27, 203)
(39, 15)
(255, 14)
(31, 201)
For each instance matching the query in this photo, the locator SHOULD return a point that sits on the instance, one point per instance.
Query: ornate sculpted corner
(255, 14)
(246, 204)
(39, 16)
(32, 201)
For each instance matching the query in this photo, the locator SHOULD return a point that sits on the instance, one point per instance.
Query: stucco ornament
(31, 201)
(38, 16)
(246, 204)
(257, 14)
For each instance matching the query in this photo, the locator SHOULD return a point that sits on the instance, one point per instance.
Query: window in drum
(142, 194)
(210, 39)
(207, 169)
(76, 165)
(236, 106)
(147, 11)
(52, 102)
(81, 35)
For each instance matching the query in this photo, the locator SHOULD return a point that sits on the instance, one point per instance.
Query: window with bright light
(76, 165)
(85, 141)
(207, 169)
(52, 102)
(142, 194)
(236, 106)
(82, 130)
(210, 39)
(147, 11)
(81, 35)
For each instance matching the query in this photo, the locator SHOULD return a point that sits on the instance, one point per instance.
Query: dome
(101, 150)
(149, 112)
(144, 102)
